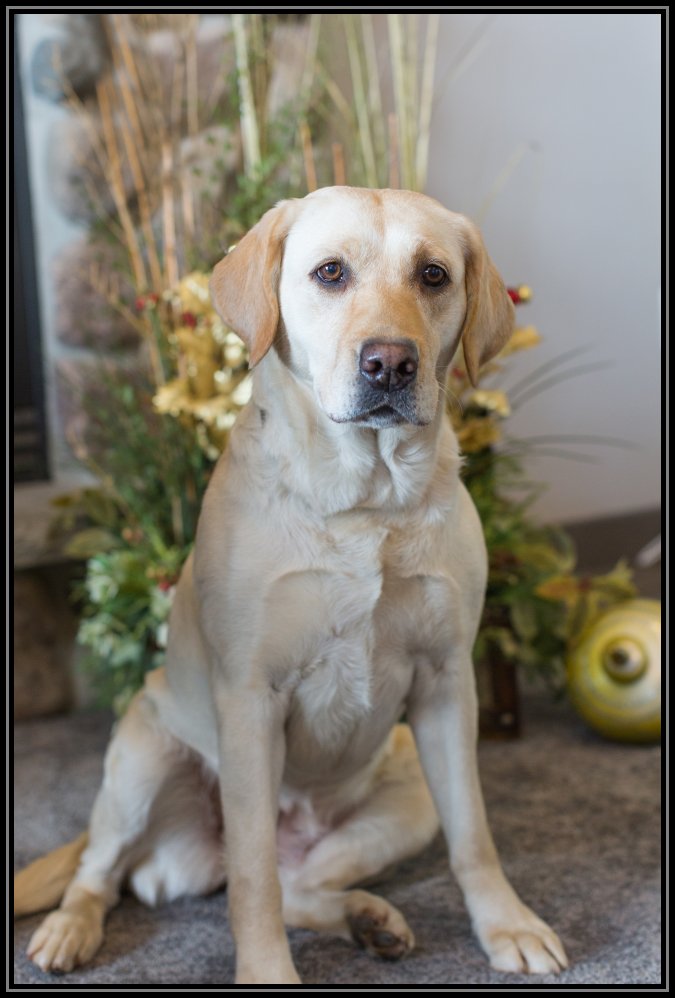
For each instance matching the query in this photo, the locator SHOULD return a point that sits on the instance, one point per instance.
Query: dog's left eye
(434, 276)
(330, 272)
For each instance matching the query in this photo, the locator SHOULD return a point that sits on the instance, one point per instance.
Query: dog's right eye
(330, 273)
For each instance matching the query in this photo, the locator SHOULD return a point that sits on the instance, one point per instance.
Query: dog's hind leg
(395, 822)
(140, 760)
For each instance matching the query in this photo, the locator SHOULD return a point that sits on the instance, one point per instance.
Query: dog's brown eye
(434, 276)
(330, 272)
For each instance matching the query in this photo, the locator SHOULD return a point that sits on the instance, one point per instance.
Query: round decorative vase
(614, 672)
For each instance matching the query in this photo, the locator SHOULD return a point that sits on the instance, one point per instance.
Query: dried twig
(339, 176)
(143, 198)
(308, 157)
(394, 175)
(108, 289)
(117, 185)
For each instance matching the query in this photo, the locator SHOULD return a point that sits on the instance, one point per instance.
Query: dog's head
(365, 294)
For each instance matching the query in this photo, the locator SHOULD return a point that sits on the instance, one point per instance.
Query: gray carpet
(576, 820)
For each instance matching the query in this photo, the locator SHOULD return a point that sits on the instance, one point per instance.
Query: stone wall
(84, 275)
(192, 99)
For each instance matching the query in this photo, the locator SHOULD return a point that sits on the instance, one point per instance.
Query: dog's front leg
(443, 713)
(251, 746)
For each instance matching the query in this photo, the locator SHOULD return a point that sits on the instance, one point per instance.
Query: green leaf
(581, 615)
(71, 500)
(543, 555)
(99, 507)
(90, 542)
(504, 639)
(563, 588)
(617, 584)
(524, 619)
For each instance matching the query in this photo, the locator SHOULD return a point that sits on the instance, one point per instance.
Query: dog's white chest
(323, 629)
(342, 636)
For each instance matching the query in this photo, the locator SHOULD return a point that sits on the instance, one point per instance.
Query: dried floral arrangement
(154, 429)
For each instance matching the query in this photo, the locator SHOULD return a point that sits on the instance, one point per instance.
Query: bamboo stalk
(117, 186)
(249, 123)
(145, 134)
(341, 103)
(100, 155)
(310, 67)
(143, 205)
(130, 99)
(144, 81)
(192, 100)
(375, 105)
(187, 204)
(394, 175)
(410, 46)
(175, 113)
(168, 216)
(339, 176)
(308, 157)
(139, 138)
(192, 81)
(121, 49)
(172, 137)
(426, 102)
(360, 100)
(258, 47)
(397, 57)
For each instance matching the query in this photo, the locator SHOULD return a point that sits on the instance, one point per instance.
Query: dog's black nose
(389, 366)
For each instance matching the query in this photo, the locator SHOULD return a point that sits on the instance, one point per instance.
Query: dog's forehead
(374, 224)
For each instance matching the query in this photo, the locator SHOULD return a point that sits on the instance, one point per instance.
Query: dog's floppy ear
(245, 283)
(489, 318)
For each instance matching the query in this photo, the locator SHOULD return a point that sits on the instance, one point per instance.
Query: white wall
(578, 97)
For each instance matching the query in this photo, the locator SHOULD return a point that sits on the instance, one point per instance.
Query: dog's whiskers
(453, 399)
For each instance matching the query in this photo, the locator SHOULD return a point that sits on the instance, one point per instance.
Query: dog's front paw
(379, 927)
(64, 941)
(525, 945)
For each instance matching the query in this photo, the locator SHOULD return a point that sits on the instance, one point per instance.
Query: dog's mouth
(383, 416)
(379, 410)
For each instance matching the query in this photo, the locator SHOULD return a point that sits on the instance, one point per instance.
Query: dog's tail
(43, 883)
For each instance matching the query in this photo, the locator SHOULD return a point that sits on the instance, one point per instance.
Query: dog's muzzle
(385, 390)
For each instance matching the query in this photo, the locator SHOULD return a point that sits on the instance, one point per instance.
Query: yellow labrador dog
(337, 581)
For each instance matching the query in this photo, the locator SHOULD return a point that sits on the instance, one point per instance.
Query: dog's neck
(396, 468)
